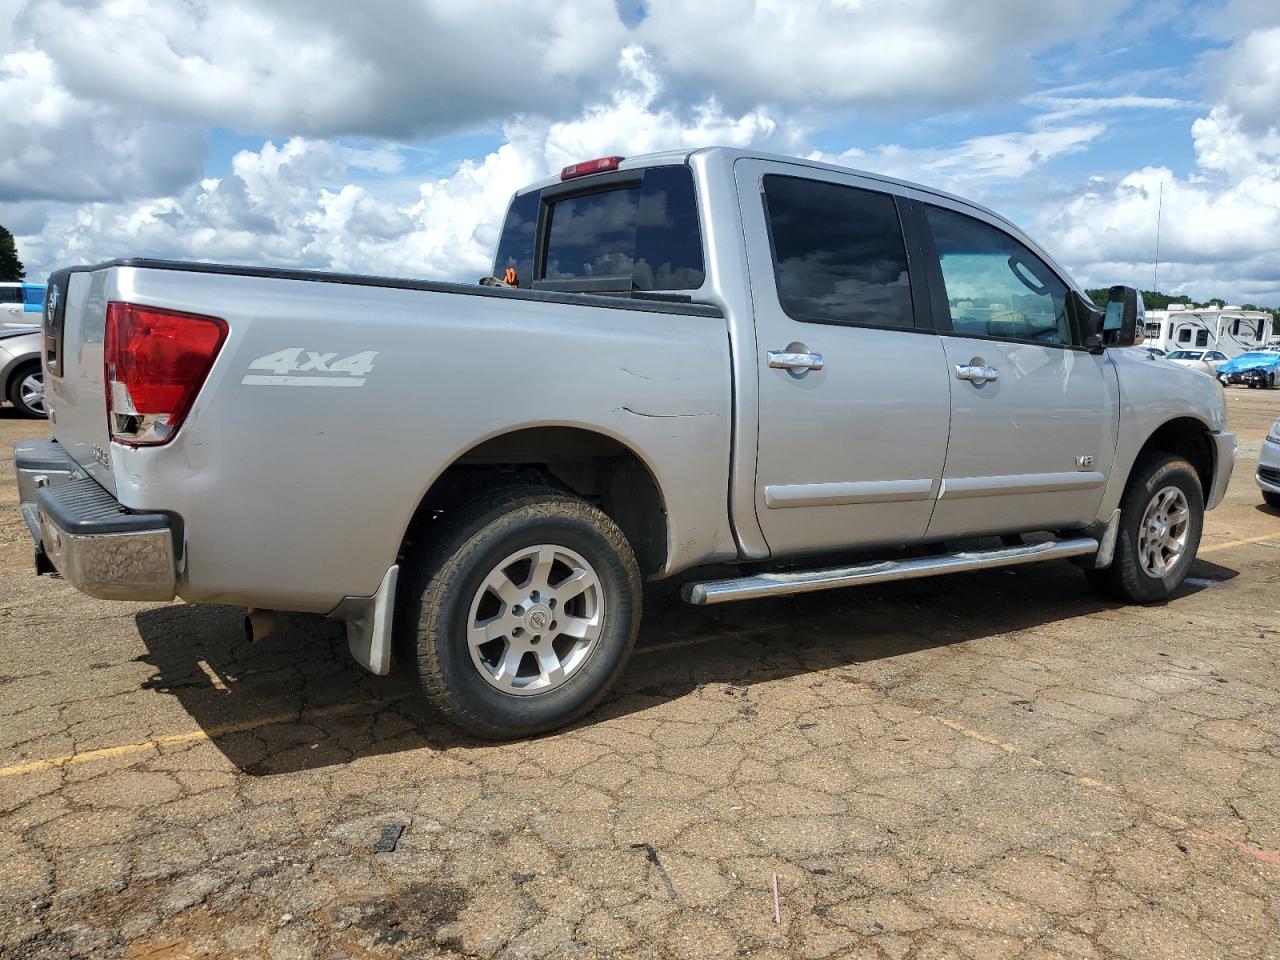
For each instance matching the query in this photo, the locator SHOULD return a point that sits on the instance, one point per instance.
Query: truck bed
(306, 492)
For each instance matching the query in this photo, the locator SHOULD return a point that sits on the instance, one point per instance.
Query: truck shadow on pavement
(296, 701)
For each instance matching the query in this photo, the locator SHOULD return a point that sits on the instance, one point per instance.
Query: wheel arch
(1187, 437)
(596, 465)
(10, 368)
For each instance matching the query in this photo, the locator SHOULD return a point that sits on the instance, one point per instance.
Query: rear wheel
(1161, 518)
(26, 390)
(524, 613)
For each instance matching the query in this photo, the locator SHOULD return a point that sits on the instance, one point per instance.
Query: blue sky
(389, 142)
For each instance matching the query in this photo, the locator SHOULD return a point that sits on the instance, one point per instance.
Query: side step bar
(807, 581)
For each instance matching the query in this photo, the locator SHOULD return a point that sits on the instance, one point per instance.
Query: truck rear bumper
(100, 547)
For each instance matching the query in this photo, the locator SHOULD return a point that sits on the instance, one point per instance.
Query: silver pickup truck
(711, 360)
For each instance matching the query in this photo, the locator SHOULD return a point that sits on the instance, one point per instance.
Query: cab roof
(732, 154)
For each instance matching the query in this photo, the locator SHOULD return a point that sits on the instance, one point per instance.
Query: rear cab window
(615, 234)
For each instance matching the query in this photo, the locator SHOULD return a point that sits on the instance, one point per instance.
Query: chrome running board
(807, 581)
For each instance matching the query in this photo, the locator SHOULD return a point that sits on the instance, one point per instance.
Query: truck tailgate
(74, 326)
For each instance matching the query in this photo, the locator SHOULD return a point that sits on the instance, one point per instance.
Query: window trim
(897, 201)
(940, 308)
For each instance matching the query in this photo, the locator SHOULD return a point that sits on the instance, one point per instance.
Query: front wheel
(1271, 499)
(523, 614)
(1161, 518)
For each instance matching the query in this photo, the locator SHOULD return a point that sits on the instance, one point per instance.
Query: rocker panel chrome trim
(808, 581)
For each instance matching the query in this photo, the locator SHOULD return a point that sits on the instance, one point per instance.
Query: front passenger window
(995, 286)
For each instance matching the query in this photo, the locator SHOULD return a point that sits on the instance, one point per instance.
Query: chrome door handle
(977, 373)
(781, 360)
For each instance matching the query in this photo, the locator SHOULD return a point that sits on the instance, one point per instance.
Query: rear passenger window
(838, 255)
(10, 294)
(995, 286)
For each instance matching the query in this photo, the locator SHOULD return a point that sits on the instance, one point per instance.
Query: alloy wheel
(535, 619)
(31, 391)
(1162, 537)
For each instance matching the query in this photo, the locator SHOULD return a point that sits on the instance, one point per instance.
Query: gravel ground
(988, 765)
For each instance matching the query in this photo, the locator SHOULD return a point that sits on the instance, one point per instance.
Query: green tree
(10, 264)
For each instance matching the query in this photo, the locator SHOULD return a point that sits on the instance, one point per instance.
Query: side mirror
(1124, 323)
(1091, 320)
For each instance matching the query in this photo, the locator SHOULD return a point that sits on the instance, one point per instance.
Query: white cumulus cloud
(305, 202)
(1217, 226)
(860, 53)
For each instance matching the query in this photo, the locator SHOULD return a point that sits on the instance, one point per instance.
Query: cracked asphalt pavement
(991, 765)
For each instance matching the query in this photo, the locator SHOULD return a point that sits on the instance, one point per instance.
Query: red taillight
(590, 166)
(156, 362)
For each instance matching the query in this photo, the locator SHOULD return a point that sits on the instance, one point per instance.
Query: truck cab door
(853, 390)
(1034, 414)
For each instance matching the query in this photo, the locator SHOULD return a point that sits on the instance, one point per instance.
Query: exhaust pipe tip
(259, 623)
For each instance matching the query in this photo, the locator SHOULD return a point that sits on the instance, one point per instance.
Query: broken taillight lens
(155, 363)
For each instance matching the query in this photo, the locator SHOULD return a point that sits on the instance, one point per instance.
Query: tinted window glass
(10, 294)
(646, 234)
(593, 235)
(995, 286)
(668, 239)
(1184, 335)
(838, 254)
(1202, 338)
(514, 262)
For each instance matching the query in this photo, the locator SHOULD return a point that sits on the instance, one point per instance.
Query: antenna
(1155, 272)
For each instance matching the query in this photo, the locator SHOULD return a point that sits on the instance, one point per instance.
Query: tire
(20, 394)
(504, 688)
(1271, 381)
(1130, 578)
(1271, 499)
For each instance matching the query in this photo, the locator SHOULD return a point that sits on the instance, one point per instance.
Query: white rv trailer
(1229, 329)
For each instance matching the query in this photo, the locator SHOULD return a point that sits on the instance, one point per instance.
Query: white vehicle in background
(1269, 467)
(1205, 360)
(1229, 330)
